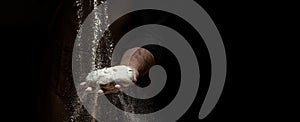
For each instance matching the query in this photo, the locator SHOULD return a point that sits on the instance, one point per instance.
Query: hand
(110, 79)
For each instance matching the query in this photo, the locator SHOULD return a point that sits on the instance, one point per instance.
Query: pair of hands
(109, 80)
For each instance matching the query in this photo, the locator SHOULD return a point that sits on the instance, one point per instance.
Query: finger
(117, 86)
(100, 92)
(83, 84)
(89, 89)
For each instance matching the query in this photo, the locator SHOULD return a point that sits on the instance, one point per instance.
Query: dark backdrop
(26, 43)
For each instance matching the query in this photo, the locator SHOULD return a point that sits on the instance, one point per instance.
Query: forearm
(139, 59)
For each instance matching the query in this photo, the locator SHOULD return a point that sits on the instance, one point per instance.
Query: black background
(249, 93)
